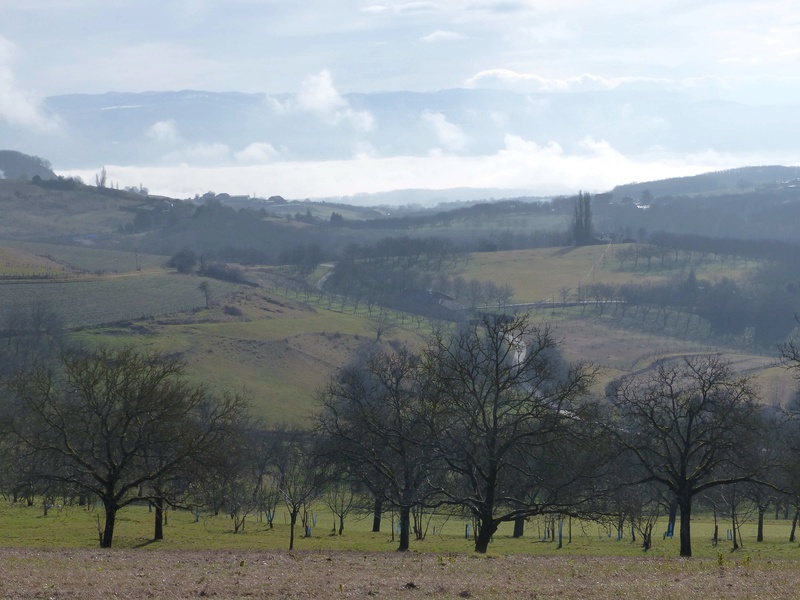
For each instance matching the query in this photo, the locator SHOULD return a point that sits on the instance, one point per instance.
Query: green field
(90, 302)
(280, 346)
(89, 259)
(279, 352)
(75, 527)
(540, 275)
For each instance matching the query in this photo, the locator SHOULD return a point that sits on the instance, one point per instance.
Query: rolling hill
(278, 337)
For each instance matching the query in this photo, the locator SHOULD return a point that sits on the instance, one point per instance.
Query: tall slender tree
(582, 229)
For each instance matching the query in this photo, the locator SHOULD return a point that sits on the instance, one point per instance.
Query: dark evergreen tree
(582, 224)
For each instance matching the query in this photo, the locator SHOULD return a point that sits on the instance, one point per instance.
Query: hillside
(732, 180)
(77, 215)
(278, 335)
(279, 342)
(16, 165)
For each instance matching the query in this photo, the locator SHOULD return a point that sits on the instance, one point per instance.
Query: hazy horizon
(557, 96)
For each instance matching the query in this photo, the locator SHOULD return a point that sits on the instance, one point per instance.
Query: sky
(321, 50)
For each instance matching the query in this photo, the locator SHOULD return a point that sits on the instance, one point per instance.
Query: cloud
(442, 36)
(521, 164)
(401, 8)
(499, 7)
(365, 150)
(546, 34)
(148, 65)
(257, 153)
(318, 96)
(532, 82)
(17, 105)
(164, 132)
(208, 154)
(449, 135)
(200, 153)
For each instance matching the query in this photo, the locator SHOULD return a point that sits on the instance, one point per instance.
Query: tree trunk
(158, 534)
(292, 523)
(341, 524)
(685, 507)
(715, 539)
(569, 538)
(485, 533)
(673, 513)
(405, 525)
(761, 512)
(519, 526)
(794, 525)
(108, 529)
(376, 515)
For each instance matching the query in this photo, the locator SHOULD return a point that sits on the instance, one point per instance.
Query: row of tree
(491, 421)
(486, 421)
(761, 312)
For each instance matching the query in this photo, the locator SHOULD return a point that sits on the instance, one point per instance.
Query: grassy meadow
(279, 345)
(76, 527)
(57, 556)
(540, 275)
(85, 258)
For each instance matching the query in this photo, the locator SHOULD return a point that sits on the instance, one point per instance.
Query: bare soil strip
(28, 573)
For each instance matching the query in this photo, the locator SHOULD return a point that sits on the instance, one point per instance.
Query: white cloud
(521, 165)
(17, 105)
(149, 65)
(532, 82)
(165, 132)
(257, 153)
(442, 36)
(200, 153)
(319, 96)
(449, 135)
(362, 120)
(365, 150)
(401, 8)
(551, 32)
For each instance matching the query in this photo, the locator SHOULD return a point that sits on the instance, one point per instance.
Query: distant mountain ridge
(152, 128)
(712, 182)
(17, 165)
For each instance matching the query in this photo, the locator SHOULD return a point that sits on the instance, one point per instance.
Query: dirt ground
(226, 574)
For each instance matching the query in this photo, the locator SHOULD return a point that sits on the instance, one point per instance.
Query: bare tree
(101, 178)
(114, 421)
(382, 323)
(340, 497)
(692, 426)
(31, 333)
(298, 474)
(502, 404)
(373, 415)
(205, 287)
